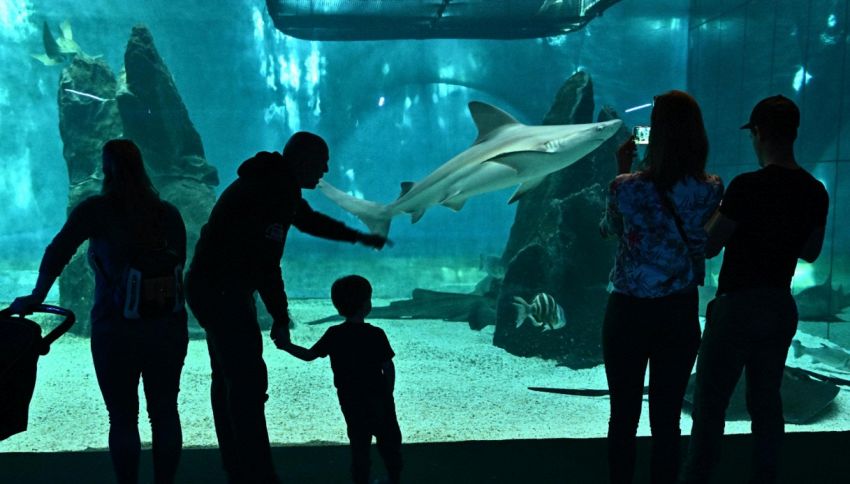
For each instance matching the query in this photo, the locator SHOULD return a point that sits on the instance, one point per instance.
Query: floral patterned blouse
(652, 259)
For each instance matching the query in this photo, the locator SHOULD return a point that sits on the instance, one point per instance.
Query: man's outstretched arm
(318, 224)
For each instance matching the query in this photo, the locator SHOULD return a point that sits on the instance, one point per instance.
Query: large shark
(505, 153)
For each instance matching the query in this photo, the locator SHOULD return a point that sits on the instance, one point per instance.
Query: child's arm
(389, 373)
(299, 352)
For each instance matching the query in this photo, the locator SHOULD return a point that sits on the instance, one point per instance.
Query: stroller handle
(55, 333)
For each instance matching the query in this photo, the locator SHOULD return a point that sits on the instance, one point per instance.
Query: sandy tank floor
(453, 385)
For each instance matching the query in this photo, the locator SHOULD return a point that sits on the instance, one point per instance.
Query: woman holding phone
(657, 213)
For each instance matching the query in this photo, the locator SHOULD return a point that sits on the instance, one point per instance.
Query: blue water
(393, 111)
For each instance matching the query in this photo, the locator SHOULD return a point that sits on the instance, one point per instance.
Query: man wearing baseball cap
(767, 220)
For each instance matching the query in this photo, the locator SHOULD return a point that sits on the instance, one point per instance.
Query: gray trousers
(747, 330)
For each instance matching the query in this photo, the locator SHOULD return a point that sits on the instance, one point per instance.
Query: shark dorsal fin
(405, 187)
(488, 118)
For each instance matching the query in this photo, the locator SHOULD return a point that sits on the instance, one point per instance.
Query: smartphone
(641, 134)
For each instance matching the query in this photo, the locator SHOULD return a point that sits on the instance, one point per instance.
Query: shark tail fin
(51, 48)
(65, 28)
(376, 216)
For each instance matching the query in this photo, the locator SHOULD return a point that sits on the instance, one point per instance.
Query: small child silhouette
(364, 376)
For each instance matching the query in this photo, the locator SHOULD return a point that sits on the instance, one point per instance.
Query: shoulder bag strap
(668, 204)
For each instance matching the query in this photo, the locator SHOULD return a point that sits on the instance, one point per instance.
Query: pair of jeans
(369, 415)
(154, 350)
(228, 314)
(746, 330)
(663, 333)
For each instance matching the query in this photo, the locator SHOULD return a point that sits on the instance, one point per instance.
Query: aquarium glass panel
(799, 50)
(493, 286)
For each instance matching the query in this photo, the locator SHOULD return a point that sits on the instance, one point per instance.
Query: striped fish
(543, 312)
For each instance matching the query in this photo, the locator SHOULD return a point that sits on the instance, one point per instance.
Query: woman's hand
(626, 155)
(25, 305)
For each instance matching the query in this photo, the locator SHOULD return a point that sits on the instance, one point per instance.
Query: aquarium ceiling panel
(429, 19)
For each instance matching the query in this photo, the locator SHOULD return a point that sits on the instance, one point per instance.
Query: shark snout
(608, 128)
(589, 135)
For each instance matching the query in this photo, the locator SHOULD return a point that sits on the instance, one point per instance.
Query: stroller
(21, 344)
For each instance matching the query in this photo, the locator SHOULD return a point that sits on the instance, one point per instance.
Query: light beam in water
(642, 106)
(85, 94)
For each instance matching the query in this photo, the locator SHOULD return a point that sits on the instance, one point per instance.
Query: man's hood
(263, 164)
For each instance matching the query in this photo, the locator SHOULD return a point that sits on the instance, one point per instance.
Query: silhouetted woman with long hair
(137, 247)
(657, 213)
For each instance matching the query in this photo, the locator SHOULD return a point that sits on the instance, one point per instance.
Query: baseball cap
(775, 111)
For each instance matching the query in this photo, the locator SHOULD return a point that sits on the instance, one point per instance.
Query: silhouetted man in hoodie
(238, 254)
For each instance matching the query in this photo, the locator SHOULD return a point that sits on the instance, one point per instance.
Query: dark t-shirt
(358, 352)
(776, 209)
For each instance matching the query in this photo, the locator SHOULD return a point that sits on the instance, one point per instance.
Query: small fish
(542, 312)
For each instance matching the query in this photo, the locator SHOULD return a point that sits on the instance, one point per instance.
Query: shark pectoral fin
(524, 188)
(488, 118)
(455, 203)
(453, 200)
(416, 216)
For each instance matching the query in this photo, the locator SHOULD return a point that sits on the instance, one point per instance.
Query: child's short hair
(350, 293)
